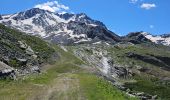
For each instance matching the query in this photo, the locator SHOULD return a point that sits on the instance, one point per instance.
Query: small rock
(35, 68)
(34, 56)
(154, 97)
(22, 45)
(29, 51)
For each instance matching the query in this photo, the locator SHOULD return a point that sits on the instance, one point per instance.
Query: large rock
(5, 70)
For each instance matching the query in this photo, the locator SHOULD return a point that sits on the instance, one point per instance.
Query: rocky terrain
(21, 54)
(128, 64)
(73, 57)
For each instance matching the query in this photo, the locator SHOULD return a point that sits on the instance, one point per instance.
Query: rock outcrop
(20, 53)
(6, 71)
(155, 60)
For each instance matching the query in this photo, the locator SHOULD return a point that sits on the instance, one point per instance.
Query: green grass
(145, 81)
(95, 88)
(151, 86)
(91, 86)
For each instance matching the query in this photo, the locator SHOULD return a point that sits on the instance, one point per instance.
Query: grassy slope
(145, 81)
(142, 81)
(150, 85)
(63, 81)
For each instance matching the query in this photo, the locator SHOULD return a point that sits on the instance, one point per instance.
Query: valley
(53, 56)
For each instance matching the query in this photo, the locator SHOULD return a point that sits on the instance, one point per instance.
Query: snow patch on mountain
(158, 39)
(83, 40)
(59, 27)
(36, 24)
(94, 25)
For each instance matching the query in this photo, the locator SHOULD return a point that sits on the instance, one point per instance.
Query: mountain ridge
(68, 28)
(72, 27)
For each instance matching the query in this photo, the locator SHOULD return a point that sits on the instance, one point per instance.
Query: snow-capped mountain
(144, 37)
(59, 28)
(158, 39)
(136, 38)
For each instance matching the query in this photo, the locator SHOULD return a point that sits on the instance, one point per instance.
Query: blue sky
(120, 16)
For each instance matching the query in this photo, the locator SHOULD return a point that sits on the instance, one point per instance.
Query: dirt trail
(65, 87)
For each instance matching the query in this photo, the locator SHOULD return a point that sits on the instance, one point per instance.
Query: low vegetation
(52, 83)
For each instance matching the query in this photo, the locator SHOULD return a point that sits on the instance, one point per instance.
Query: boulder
(29, 51)
(34, 68)
(34, 56)
(119, 72)
(22, 45)
(22, 62)
(5, 70)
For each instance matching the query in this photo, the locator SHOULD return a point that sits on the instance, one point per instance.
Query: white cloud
(133, 1)
(151, 26)
(148, 6)
(53, 6)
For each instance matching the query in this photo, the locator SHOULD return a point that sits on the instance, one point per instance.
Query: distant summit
(64, 28)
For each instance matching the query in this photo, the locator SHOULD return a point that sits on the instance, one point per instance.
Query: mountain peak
(165, 35)
(29, 13)
(137, 37)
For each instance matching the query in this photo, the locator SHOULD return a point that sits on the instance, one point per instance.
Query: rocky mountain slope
(136, 38)
(139, 69)
(59, 28)
(70, 28)
(21, 54)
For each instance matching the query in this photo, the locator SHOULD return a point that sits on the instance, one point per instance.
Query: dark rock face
(65, 16)
(120, 72)
(81, 18)
(155, 60)
(28, 14)
(98, 32)
(165, 35)
(82, 31)
(166, 60)
(0, 17)
(136, 38)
